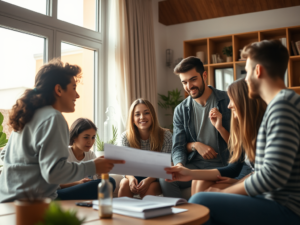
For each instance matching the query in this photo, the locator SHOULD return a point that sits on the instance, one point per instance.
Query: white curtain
(131, 54)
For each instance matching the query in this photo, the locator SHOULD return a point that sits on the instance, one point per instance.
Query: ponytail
(51, 74)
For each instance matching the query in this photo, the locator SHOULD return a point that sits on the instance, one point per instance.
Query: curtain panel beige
(134, 54)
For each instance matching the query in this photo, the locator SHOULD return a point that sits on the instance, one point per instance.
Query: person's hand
(205, 151)
(215, 118)
(179, 173)
(179, 164)
(105, 165)
(84, 180)
(143, 186)
(226, 180)
(133, 183)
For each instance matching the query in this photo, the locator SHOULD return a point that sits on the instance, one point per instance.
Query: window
(85, 59)
(21, 56)
(39, 6)
(78, 12)
(38, 37)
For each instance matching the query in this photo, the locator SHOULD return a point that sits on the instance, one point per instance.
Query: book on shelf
(148, 207)
(297, 43)
(214, 58)
(286, 80)
(294, 48)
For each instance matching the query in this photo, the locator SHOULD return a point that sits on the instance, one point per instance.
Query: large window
(32, 32)
(20, 56)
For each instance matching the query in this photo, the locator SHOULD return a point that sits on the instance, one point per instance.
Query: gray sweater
(35, 159)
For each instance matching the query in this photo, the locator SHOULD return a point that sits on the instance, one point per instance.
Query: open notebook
(148, 207)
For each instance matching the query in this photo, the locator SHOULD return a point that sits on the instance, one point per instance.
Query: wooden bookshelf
(213, 45)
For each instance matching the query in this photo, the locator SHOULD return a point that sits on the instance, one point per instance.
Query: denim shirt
(184, 132)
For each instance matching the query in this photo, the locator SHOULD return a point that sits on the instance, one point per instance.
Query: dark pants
(88, 190)
(239, 209)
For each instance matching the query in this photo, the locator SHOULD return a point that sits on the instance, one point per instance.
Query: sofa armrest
(117, 179)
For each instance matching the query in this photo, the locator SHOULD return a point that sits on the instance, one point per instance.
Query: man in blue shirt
(198, 141)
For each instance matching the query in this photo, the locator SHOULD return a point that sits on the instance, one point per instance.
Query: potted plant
(170, 101)
(228, 52)
(30, 210)
(100, 143)
(55, 215)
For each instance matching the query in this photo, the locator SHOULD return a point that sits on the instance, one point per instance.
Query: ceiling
(182, 11)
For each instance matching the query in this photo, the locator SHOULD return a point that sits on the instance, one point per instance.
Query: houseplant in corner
(228, 52)
(3, 139)
(170, 101)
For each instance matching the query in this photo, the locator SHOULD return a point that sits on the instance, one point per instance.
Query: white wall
(8, 96)
(160, 38)
(173, 36)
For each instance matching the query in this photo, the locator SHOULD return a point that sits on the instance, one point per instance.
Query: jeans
(239, 209)
(85, 191)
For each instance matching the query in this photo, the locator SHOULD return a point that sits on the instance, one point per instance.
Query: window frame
(55, 31)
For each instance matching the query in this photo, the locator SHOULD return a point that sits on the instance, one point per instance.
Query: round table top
(196, 214)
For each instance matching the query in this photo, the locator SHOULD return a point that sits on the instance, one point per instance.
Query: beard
(253, 87)
(200, 90)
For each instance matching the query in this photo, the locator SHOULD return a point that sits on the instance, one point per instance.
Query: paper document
(138, 162)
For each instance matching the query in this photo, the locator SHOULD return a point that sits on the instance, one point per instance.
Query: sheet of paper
(138, 162)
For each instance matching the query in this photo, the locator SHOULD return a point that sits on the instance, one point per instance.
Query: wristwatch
(193, 147)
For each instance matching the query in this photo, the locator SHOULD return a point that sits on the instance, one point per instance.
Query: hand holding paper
(138, 162)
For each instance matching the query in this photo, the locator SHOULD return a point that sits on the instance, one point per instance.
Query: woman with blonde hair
(145, 133)
(246, 118)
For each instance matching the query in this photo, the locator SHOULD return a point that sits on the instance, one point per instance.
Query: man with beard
(199, 141)
(271, 195)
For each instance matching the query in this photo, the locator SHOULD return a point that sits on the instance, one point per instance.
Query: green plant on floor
(170, 101)
(113, 141)
(3, 139)
(56, 215)
(227, 51)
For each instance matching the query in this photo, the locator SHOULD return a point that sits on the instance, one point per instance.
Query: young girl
(35, 157)
(246, 117)
(143, 132)
(82, 138)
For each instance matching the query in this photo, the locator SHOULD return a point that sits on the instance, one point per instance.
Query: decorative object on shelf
(3, 139)
(56, 215)
(241, 58)
(31, 210)
(170, 101)
(223, 78)
(214, 58)
(228, 52)
(219, 59)
(169, 56)
(201, 56)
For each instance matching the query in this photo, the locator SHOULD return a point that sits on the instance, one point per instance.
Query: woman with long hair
(246, 117)
(145, 133)
(35, 157)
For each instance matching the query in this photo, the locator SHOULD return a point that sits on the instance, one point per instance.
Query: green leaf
(1, 128)
(99, 143)
(1, 118)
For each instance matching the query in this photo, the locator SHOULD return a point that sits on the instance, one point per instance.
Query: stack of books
(148, 207)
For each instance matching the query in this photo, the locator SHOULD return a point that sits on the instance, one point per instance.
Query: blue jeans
(88, 190)
(239, 209)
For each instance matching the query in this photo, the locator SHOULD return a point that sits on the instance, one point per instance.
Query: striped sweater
(277, 161)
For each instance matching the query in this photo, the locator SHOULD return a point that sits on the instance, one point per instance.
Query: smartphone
(85, 204)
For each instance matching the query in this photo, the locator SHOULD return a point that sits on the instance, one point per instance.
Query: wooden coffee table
(196, 214)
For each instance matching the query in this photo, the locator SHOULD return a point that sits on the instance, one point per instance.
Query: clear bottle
(105, 197)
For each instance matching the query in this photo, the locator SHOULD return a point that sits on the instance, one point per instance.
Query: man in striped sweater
(271, 195)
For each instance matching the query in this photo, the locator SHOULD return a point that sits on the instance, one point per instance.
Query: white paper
(138, 162)
(178, 210)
